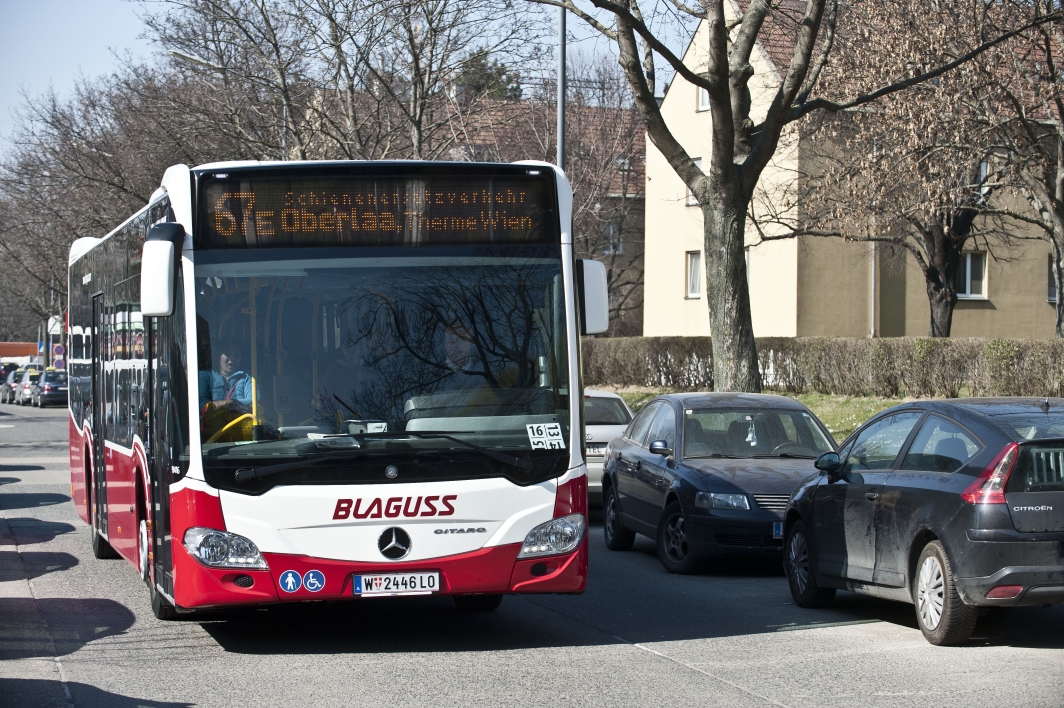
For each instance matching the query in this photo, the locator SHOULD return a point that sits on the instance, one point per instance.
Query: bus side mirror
(157, 269)
(594, 300)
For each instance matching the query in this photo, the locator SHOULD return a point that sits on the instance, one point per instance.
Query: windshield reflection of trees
(481, 337)
(453, 341)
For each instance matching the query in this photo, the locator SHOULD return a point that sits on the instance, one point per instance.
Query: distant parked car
(24, 389)
(950, 505)
(6, 368)
(50, 389)
(606, 415)
(709, 475)
(7, 391)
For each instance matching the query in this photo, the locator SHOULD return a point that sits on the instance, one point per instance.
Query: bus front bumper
(487, 571)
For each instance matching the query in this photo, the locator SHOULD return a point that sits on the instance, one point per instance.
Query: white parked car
(606, 416)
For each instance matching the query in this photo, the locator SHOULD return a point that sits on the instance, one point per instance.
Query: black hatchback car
(950, 505)
(708, 475)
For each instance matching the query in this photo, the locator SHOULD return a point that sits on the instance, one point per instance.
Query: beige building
(810, 286)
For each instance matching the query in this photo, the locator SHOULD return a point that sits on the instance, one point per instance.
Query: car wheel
(943, 617)
(798, 565)
(674, 550)
(477, 603)
(618, 538)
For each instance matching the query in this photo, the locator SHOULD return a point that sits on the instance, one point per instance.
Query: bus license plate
(777, 529)
(391, 584)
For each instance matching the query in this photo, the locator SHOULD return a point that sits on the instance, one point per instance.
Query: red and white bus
(326, 380)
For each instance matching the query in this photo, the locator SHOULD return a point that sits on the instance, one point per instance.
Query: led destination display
(272, 212)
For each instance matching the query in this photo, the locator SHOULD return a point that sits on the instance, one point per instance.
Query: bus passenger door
(162, 436)
(98, 418)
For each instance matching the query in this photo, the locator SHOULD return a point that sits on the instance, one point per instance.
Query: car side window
(637, 431)
(879, 444)
(664, 427)
(940, 446)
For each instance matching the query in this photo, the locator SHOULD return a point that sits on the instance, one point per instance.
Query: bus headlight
(555, 537)
(221, 549)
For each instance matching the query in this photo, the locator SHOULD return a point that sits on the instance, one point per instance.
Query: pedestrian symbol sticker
(290, 581)
(314, 580)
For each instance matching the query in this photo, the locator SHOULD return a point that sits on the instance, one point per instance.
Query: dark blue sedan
(709, 475)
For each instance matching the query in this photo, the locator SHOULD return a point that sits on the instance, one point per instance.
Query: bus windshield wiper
(520, 464)
(248, 473)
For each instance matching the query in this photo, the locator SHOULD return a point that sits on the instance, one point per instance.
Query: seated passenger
(227, 387)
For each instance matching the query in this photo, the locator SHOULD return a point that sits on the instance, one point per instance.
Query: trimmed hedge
(918, 367)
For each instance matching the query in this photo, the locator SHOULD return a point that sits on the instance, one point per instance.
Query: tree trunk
(728, 296)
(1058, 275)
(943, 298)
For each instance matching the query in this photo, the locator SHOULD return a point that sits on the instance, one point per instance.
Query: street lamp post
(561, 89)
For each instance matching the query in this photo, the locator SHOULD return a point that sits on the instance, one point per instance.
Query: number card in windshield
(268, 211)
(546, 436)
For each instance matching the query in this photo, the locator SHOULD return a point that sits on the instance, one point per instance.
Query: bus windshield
(310, 349)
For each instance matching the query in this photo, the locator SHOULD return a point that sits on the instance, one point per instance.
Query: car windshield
(1033, 426)
(738, 432)
(298, 345)
(605, 411)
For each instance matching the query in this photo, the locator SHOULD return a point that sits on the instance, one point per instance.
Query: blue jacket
(214, 387)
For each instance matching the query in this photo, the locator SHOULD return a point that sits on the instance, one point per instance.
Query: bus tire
(160, 606)
(477, 603)
(100, 547)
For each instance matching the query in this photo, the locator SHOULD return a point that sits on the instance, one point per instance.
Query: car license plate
(597, 450)
(777, 529)
(397, 584)
(60, 388)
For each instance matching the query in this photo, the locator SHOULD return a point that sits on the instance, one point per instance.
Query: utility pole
(560, 160)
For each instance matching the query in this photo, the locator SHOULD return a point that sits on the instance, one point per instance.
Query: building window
(611, 237)
(694, 275)
(691, 199)
(703, 99)
(624, 164)
(971, 276)
(1052, 283)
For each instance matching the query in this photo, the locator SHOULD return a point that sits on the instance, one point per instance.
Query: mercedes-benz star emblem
(394, 543)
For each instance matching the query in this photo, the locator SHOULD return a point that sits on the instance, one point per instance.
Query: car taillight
(46, 387)
(1004, 592)
(989, 488)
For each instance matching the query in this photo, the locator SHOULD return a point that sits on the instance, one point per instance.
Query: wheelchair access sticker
(545, 436)
(313, 580)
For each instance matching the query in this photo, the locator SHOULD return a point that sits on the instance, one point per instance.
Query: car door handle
(871, 496)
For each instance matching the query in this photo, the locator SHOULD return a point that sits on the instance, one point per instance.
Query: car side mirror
(660, 447)
(830, 463)
(157, 269)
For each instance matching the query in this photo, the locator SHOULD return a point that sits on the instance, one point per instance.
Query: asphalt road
(78, 631)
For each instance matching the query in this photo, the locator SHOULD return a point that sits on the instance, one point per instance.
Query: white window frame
(966, 263)
(702, 100)
(691, 199)
(692, 286)
(1051, 290)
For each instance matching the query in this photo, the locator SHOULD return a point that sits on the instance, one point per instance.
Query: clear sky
(50, 42)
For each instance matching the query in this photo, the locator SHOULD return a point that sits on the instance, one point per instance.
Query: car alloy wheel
(676, 539)
(930, 589)
(798, 562)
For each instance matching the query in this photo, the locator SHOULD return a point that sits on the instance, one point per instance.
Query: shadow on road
(72, 623)
(35, 563)
(38, 692)
(31, 500)
(8, 480)
(28, 530)
(21, 468)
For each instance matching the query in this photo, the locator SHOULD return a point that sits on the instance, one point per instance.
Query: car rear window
(1039, 468)
(32, 376)
(55, 377)
(605, 411)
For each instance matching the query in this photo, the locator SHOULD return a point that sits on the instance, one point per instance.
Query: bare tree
(743, 143)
